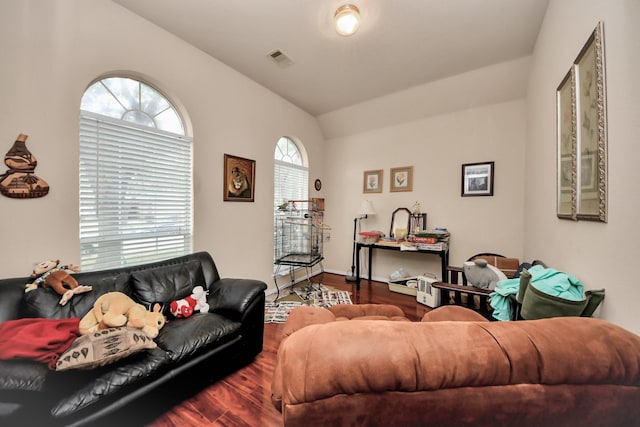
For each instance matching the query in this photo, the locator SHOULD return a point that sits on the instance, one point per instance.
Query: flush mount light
(347, 19)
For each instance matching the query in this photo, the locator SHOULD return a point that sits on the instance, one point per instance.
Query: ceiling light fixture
(347, 19)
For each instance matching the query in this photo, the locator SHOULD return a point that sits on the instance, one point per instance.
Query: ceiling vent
(280, 58)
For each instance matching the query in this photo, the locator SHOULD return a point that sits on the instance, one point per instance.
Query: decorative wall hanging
(566, 120)
(477, 179)
(582, 135)
(372, 181)
(592, 130)
(20, 181)
(401, 179)
(239, 179)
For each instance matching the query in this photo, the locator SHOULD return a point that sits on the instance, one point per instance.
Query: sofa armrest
(232, 297)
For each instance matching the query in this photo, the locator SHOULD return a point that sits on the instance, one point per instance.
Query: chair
(466, 295)
(531, 303)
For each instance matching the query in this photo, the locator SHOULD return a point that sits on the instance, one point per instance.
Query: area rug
(316, 296)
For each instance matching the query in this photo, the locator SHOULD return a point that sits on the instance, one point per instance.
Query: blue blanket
(547, 280)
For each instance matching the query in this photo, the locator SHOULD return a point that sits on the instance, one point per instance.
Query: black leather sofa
(190, 354)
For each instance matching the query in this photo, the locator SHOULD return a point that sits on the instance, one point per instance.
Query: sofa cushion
(104, 347)
(167, 283)
(78, 388)
(22, 375)
(453, 313)
(183, 338)
(379, 311)
(45, 302)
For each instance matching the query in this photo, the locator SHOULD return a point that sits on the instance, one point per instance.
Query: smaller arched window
(291, 180)
(287, 151)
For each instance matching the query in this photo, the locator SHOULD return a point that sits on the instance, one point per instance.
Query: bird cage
(299, 235)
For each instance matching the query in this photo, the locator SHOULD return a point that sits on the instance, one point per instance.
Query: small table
(443, 254)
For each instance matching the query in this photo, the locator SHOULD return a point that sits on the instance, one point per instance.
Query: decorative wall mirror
(400, 223)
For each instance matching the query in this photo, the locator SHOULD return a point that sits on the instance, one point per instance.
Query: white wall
(436, 146)
(53, 49)
(600, 255)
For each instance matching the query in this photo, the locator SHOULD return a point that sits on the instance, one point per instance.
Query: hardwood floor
(243, 398)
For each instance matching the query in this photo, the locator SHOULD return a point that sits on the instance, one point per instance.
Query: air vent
(280, 58)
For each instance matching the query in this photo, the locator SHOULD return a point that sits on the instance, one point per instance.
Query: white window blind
(135, 193)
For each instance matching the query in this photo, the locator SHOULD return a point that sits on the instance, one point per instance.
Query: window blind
(291, 182)
(135, 193)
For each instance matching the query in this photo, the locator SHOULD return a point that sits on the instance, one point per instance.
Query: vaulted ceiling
(400, 44)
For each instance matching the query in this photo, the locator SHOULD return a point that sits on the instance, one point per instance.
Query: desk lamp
(365, 210)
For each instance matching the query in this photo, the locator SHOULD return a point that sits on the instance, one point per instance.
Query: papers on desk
(382, 242)
(412, 246)
(407, 246)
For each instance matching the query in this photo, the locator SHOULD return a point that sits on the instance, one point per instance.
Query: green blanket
(547, 280)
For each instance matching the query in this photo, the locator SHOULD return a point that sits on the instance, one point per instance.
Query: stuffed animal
(483, 275)
(115, 309)
(186, 306)
(50, 274)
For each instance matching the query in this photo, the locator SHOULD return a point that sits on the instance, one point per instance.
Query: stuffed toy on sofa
(50, 274)
(185, 307)
(115, 309)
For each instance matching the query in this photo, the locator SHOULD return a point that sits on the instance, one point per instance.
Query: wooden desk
(444, 258)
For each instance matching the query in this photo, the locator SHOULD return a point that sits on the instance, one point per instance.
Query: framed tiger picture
(239, 179)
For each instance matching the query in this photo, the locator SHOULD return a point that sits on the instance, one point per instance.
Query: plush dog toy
(50, 274)
(115, 309)
(186, 306)
(483, 275)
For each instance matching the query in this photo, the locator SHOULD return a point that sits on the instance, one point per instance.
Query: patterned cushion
(104, 347)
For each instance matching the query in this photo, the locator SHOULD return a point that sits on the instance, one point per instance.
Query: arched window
(291, 181)
(135, 176)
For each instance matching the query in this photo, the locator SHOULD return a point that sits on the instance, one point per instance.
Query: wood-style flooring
(243, 398)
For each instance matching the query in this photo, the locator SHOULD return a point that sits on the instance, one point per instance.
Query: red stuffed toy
(182, 307)
(186, 306)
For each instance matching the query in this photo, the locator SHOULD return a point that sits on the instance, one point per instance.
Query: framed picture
(372, 181)
(566, 141)
(477, 179)
(401, 179)
(591, 127)
(239, 179)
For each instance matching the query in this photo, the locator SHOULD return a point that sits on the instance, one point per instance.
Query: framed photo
(372, 181)
(477, 179)
(591, 126)
(566, 141)
(239, 179)
(401, 179)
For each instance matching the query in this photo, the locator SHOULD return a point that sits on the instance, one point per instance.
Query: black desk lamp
(365, 209)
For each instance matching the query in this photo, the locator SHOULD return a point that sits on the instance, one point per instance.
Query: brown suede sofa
(454, 368)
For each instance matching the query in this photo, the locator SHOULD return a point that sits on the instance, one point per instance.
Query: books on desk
(431, 240)
(439, 235)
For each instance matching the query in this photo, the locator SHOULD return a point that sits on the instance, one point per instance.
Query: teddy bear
(115, 309)
(50, 274)
(185, 307)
